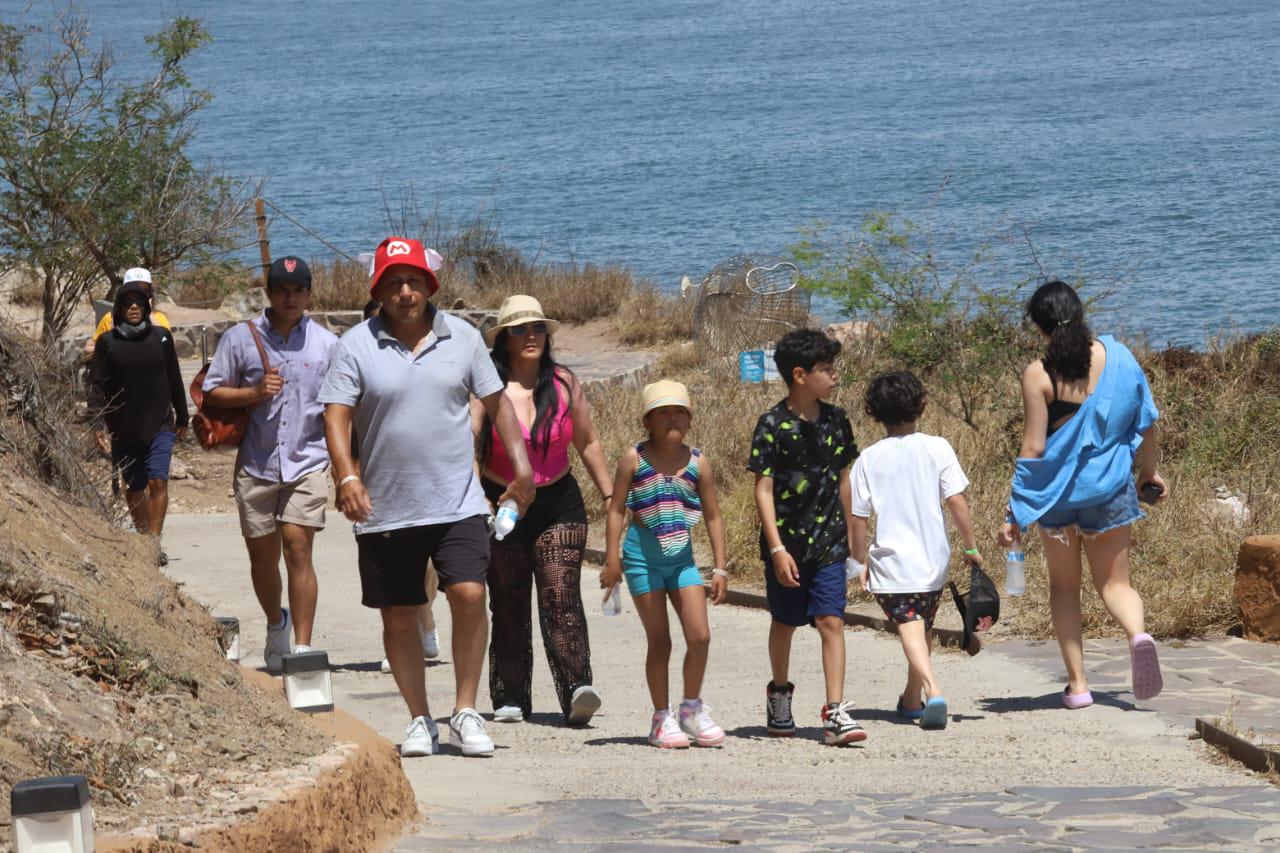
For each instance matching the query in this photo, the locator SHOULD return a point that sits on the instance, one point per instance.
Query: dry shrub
(209, 285)
(39, 420)
(27, 288)
(646, 317)
(1220, 427)
(339, 285)
(570, 293)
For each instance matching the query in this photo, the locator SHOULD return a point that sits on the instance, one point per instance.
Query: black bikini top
(1060, 411)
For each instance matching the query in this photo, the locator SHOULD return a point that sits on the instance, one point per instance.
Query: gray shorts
(263, 505)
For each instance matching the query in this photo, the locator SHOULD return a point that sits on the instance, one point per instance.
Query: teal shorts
(647, 569)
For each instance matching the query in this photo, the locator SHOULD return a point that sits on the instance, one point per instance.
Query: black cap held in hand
(289, 268)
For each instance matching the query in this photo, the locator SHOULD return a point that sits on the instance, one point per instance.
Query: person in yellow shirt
(142, 276)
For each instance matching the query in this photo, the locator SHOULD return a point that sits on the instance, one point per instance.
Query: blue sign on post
(751, 366)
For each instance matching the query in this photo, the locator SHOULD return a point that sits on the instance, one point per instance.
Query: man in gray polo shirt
(404, 380)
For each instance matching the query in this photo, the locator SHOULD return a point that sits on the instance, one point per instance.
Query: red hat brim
(434, 283)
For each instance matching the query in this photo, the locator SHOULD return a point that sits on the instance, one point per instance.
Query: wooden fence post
(264, 245)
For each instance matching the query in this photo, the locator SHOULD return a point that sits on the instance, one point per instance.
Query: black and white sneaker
(839, 728)
(778, 720)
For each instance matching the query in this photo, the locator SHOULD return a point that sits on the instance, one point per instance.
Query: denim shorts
(1119, 510)
(646, 569)
(142, 461)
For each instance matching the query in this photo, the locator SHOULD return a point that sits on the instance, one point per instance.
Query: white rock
(1229, 506)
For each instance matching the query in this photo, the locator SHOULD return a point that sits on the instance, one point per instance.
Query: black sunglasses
(523, 329)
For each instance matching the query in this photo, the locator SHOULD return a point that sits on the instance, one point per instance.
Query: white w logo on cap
(398, 247)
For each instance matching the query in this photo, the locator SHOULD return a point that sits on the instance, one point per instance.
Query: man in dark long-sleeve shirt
(136, 398)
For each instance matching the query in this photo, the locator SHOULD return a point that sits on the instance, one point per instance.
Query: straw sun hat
(517, 311)
(665, 392)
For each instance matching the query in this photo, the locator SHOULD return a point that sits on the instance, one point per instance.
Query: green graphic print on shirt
(805, 460)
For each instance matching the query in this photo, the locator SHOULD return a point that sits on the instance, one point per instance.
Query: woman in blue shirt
(1088, 415)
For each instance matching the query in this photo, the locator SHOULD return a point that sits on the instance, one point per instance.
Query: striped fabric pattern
(669, 507)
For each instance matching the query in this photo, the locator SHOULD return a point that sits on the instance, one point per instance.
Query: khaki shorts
(263, 504)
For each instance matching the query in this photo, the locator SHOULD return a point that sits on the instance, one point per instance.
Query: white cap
(137, 274)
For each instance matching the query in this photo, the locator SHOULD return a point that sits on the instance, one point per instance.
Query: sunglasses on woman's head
(523, 329)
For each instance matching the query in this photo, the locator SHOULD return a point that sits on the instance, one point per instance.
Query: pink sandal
(1147, 680)
(1076, 701)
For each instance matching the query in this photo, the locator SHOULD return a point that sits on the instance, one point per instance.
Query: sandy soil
(107, 669)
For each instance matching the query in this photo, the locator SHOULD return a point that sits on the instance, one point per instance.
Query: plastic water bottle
(505, 521)
(1015, 570)
(1015, 563)
(613, 604)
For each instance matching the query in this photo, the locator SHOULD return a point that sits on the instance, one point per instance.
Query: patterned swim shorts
(910, 606)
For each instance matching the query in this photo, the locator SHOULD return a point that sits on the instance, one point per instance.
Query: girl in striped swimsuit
(668, 486)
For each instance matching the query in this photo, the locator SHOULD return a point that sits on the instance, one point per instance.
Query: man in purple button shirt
(281, 478)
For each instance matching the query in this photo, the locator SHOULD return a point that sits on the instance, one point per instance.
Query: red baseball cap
(402, 250)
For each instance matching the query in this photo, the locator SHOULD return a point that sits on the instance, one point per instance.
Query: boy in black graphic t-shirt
(801, 454)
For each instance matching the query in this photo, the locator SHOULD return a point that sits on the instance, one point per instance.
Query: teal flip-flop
(909, 713)
(935, 714)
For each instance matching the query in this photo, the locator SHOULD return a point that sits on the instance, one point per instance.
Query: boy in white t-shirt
(904, 478)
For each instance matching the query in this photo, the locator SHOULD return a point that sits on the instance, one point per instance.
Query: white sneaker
(297, 650)
(421, 738)
(430, 644)
(466, 730)
(583, 706)
(277, 643)
(385, 666)
(508, 714)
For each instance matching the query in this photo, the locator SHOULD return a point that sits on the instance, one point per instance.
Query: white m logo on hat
(398, 247)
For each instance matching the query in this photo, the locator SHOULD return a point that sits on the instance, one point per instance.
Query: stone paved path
(1228, 678)
(1124, 777)
(1017, 818)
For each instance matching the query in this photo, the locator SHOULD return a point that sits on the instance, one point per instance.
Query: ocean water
(1133, 140)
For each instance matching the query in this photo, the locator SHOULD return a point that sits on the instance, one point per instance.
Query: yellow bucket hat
(666, 392)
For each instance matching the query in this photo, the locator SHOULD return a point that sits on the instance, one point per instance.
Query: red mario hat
(401, 250)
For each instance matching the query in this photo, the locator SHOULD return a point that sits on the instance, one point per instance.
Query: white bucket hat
(517, 311)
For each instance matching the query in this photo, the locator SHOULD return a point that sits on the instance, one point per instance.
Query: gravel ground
(1006, 728)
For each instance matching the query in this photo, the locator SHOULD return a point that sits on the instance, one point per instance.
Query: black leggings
(547, 551)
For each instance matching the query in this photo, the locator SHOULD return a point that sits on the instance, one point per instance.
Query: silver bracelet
(347, 479)
(719, 573)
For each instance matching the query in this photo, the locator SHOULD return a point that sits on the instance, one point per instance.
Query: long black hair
(546, 398)
(1057, 310)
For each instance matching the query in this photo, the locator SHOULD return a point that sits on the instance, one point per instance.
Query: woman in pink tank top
(547, 544)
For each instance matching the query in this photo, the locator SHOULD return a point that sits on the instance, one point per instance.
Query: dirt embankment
(108, 670)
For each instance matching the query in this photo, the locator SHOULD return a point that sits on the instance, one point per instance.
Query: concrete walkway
(1012, 770)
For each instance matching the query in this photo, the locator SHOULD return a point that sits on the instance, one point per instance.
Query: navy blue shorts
(821, 592)
(140, 462)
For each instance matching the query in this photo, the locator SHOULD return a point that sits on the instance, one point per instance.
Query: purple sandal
(1076, 701)
(1147, 681)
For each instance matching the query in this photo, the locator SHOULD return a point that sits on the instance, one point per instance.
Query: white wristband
(777, 549)
(719, 573)
(347, 479)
